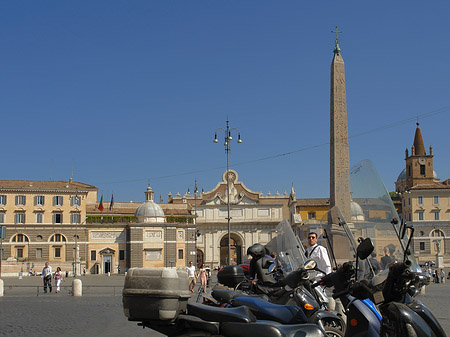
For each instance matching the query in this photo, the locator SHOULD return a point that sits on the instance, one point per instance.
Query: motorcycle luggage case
(231, 276)
(151, 294)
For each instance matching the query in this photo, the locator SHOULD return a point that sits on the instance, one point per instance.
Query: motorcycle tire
(333, 332)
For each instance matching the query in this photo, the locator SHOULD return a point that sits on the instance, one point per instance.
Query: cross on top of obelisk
(337, 50)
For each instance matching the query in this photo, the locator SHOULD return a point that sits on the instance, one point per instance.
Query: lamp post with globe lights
(227, 139)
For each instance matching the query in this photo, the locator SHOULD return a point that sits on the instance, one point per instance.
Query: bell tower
(419, 165)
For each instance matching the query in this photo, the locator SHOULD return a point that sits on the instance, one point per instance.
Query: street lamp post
(196, 234)
(227, 140)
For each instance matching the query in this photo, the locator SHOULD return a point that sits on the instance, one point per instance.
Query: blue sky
(127, 93)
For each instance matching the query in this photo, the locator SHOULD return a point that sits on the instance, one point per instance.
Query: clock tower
(419, 165)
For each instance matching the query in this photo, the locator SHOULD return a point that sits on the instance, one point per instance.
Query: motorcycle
(387, 293)
(283, 281)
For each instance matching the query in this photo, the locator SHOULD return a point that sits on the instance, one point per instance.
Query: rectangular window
(57, 251)
(437, 215)
(39, 200)
(3, 199)
(121, 255)
(420, 200)
(422, 245)
(2, 217)
(38, 253)
(20, 200)
(420, 215)
(57, 200)
(75, 201)
(153, 254)
(93, 255)
(19, 252)
(409, 217)
(311, 215)
(39, 217)
(57, 218)
(180, 254)
(19, 217)
(409, 201)
(75, 217)
(422, 170)
(435, 200)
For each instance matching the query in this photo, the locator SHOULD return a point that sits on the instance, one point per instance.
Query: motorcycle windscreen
(370, 213)
(290, 253)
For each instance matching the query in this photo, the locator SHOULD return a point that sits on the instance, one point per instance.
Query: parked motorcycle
(281, 281)
(368, 294)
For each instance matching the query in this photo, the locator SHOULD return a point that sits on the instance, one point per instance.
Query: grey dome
(402, 175)
(149, 209)
(357, 211)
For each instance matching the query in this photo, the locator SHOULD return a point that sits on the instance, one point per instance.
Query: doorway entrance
(107, 264)
(235, 247)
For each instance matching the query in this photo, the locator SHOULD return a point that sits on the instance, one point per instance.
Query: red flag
(100, 206)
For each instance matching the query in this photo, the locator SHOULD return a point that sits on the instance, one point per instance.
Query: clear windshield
(373, 215)
(290, 253)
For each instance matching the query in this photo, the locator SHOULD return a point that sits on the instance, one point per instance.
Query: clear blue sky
(129, 92)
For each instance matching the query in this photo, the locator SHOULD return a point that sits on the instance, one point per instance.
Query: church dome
(402, 175)
(357, 211)
(150, 211)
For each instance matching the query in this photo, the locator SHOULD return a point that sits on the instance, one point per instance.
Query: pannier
(231, 276)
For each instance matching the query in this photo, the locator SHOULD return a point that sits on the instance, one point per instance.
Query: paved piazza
(25, 312)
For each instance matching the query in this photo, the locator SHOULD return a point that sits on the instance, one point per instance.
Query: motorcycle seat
(285, 314)
(270, 329)
(225, 295)
(217, 314)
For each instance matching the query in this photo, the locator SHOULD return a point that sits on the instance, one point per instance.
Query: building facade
(425, 203)
(254, 217)
(43, 220)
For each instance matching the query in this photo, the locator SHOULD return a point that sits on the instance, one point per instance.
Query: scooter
(204, 320)
(389, 294)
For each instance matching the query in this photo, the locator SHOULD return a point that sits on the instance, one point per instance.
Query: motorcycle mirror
(403, 229)
(271, 267)
(364, 249)
(310, 265)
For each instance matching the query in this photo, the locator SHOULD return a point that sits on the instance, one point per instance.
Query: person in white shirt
(319, 254)
(192, 275)
(47, 276)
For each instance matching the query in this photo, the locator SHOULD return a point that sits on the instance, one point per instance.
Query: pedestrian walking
(58, 276)
(442, 275)
(319, 254)
(47, 276)
(192, 275)
(203, 278)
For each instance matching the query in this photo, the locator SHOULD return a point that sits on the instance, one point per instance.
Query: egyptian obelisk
(339, 154)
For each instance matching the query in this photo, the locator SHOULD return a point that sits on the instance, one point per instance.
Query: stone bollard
(1, 288)
(422, 291)
(109, 273)
(77, 288)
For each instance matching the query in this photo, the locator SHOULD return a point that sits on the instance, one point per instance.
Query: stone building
(254, 217)
(43, 221)
(425, 202)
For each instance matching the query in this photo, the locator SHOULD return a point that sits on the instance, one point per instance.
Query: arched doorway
(235, 247)
(200, 258)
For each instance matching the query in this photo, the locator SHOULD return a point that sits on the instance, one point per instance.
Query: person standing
(58, 276)
(192, 275)
(203, 277)
(319, 254)
(47, 276)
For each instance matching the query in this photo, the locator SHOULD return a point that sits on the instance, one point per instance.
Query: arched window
(57, 238)
(20, 238)
(437, 233)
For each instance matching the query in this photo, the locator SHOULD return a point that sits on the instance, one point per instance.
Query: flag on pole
(100, 206)
(111, 204)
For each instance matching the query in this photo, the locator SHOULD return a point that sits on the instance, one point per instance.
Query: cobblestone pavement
(99, 313)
